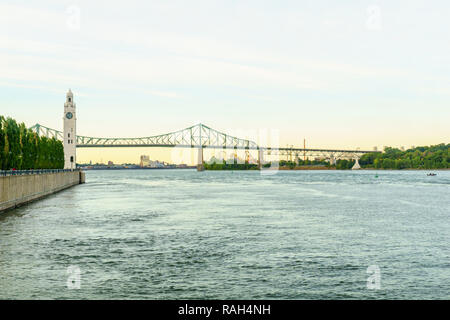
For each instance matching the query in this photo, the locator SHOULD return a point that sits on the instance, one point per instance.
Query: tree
(22, 148)
(432, 157)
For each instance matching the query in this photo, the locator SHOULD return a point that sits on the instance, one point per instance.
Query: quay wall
(16, 190)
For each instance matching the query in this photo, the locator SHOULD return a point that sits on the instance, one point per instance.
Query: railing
(35, 171)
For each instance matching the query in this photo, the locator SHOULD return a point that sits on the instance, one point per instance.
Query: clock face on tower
(69, 115)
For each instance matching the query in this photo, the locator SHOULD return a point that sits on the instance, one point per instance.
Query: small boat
(431, 174)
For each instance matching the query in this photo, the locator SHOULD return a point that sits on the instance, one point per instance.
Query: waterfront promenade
(20, 187)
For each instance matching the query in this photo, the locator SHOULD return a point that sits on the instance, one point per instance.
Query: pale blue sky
(343, 74)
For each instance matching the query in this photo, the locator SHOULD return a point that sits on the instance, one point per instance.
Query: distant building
(156, 164)
(110, 163)
(145, 161)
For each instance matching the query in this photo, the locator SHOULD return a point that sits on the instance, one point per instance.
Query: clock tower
(70, 132)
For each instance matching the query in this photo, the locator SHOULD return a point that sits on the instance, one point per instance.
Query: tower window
(70, 99)
(71, 159)
(69, 135)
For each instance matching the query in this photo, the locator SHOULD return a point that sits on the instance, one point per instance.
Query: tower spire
(70, 134)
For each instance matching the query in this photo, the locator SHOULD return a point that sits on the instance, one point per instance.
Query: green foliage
(314, 162)
(230, 166)
(432, 157)
(300, 163)
(344, 164)
(289, 164)
(23, 149)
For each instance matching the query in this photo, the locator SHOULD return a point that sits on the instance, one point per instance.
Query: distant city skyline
(341, 76)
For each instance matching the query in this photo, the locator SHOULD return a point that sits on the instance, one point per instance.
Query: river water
(180, 234)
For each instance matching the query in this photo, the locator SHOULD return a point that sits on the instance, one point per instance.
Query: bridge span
(201, 137)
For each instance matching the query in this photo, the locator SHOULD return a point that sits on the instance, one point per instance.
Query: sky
(340, 74)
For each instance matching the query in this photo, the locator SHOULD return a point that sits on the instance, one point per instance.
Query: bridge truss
(291, 154)
(192, 137)
(199, 136)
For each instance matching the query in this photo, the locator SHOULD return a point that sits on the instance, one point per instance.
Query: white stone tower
(70, 133)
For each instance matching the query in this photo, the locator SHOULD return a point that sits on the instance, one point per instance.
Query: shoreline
(149, 168)
(302, 168)
(305, 168)
(362, 169)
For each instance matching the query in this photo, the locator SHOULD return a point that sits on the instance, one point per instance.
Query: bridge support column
(356, 166)
(200, 166)
(260, 158)
(332, 160)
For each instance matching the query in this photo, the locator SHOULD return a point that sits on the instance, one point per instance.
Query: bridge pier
(356, 166)
(260, 158)
(332, 160)
(200, 166)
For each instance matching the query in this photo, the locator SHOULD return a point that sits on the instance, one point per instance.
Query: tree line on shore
(431, 157)
(23, 149)
(341, 164)
(427, 157)
(230, 166)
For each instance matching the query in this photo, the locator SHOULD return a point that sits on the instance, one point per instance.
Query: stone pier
(260, 158)
(200, 166)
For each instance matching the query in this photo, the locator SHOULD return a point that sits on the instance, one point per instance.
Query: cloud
(106, 55)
